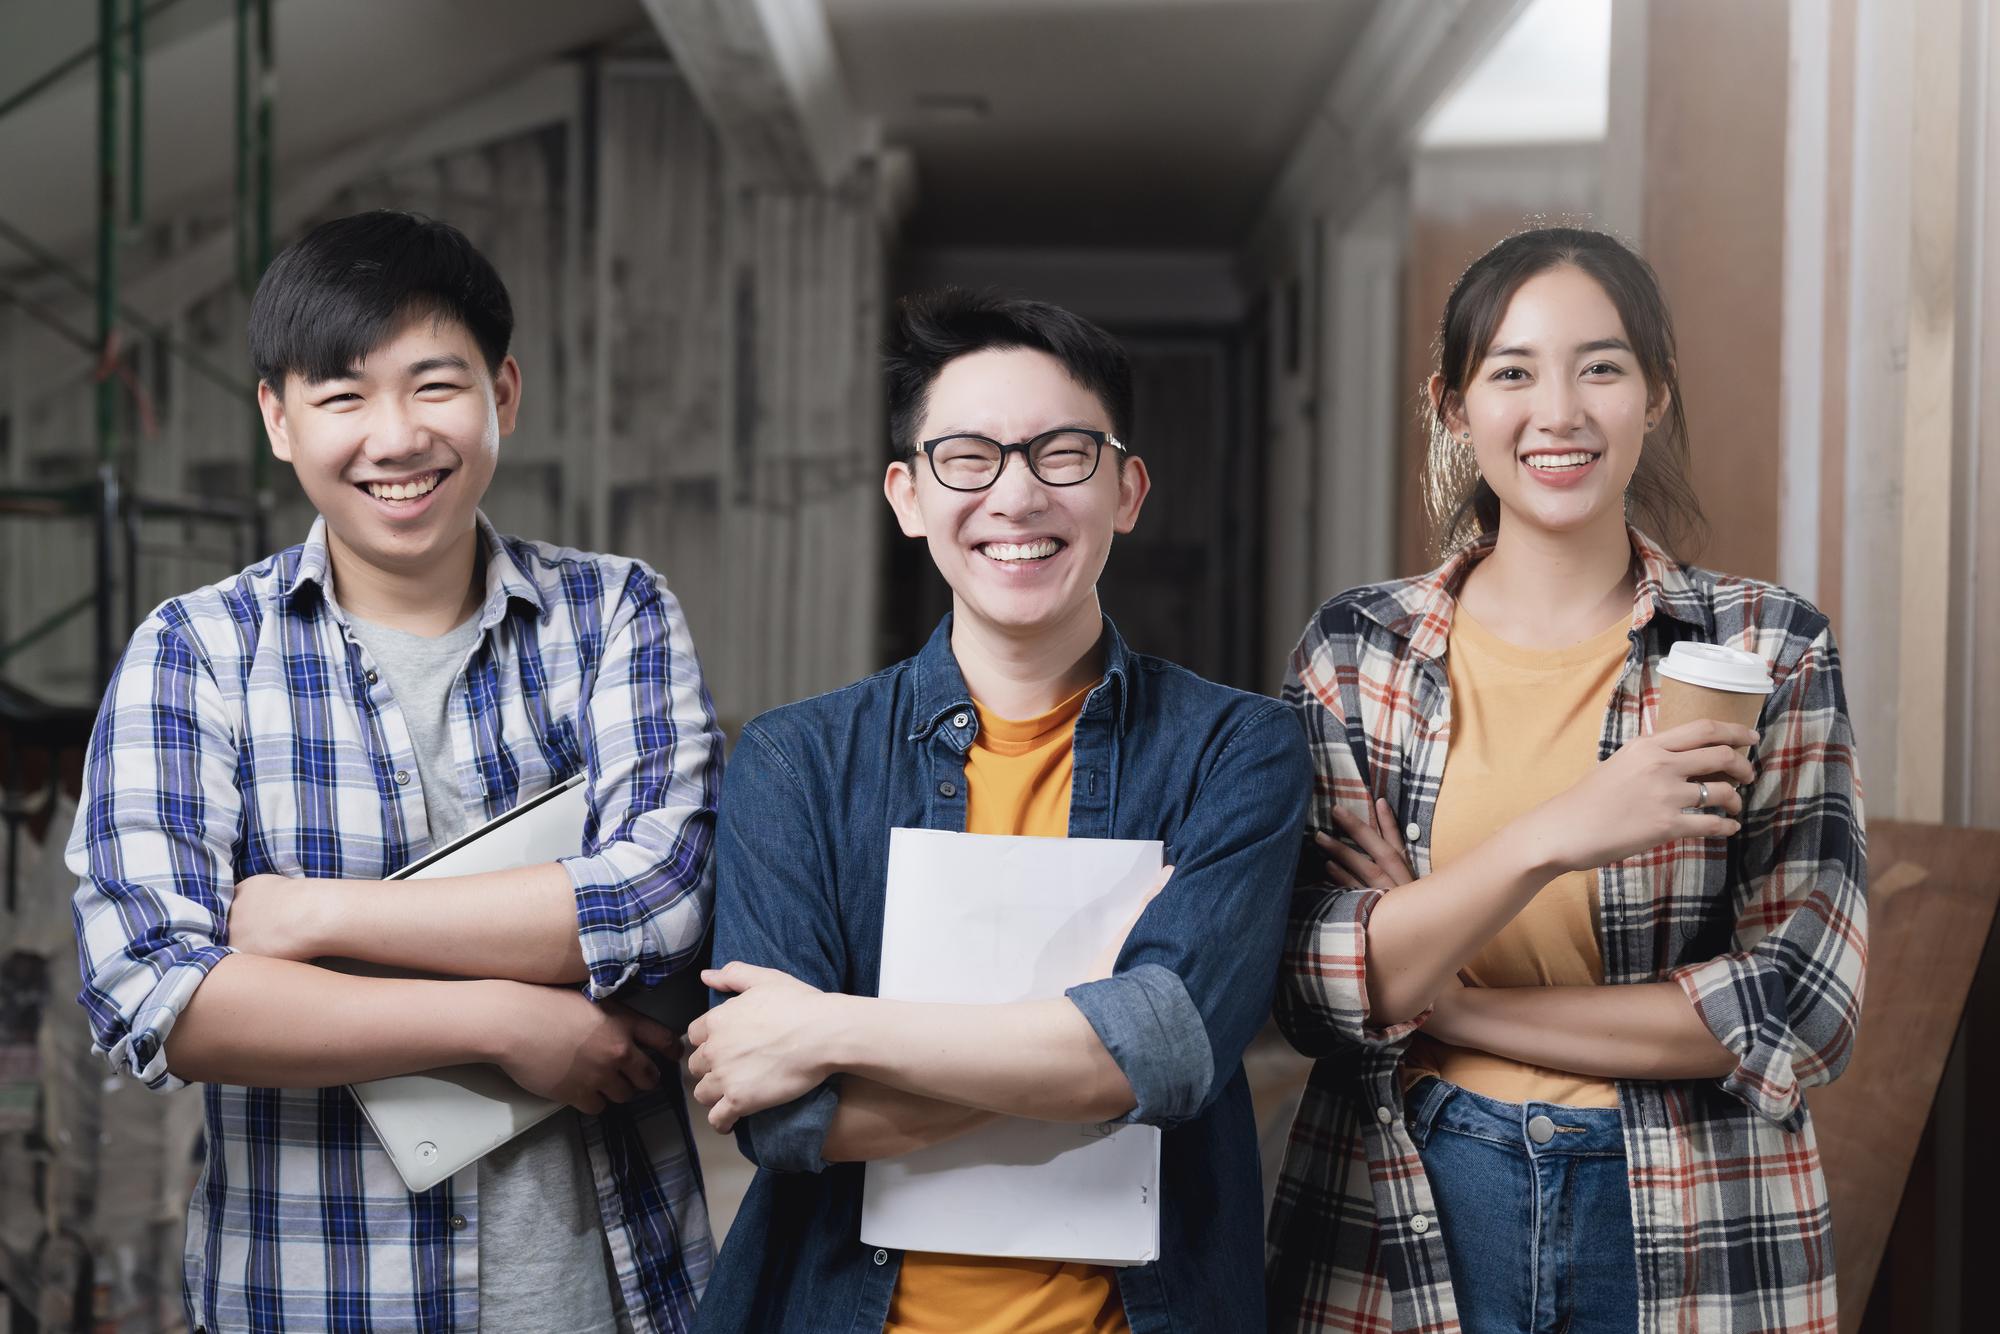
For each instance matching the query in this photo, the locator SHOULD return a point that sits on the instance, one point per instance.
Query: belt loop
(1424, 1103)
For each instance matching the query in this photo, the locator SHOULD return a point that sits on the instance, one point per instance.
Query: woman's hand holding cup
(1680, 783)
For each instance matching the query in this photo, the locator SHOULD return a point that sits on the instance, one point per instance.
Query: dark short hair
(347, 286)
(935, 328)
(1659, 497)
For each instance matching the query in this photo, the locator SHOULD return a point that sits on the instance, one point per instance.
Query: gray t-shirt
(542, 1258)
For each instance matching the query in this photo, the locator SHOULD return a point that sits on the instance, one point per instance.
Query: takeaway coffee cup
(1710, 681)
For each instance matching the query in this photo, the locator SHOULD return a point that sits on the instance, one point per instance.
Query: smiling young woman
(1569, 971)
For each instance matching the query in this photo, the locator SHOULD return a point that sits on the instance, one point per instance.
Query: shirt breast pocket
(550, 759)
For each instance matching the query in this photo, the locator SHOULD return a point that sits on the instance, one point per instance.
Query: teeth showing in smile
(422, 486)
(1012, 551)
(1556, 462)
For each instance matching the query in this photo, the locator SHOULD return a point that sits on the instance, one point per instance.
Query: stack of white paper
(985, 919)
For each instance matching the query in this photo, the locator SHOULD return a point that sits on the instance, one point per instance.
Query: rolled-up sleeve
(645, 889)
(774, 908)
(1193, 982)
(1323, 990)
(1786, 999)
(153, 849)
(1322, 1004)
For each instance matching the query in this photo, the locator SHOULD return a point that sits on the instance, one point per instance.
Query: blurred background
(705, 209)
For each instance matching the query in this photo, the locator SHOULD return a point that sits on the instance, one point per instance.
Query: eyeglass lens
(969, 462)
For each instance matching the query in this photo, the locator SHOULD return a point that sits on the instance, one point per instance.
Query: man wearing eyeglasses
(1025, 714)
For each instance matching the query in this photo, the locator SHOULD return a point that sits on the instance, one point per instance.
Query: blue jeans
(1534, 1208)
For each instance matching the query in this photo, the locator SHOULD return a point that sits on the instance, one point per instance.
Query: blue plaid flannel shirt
(243, 733)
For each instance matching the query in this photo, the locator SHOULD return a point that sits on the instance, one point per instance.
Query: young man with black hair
(1025, 714)
(271, 746)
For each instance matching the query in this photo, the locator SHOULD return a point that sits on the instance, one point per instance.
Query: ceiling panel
(1091, 122)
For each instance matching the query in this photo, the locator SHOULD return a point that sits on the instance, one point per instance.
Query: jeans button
(1541, 1129)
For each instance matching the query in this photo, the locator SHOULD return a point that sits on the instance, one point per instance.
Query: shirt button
(458, 1222)
(402, 777)
(1412, 832)
(947, 789)
(959, 720)
(881, 1257)
(1420, 1223)
(1384, 1115)
(372, 678)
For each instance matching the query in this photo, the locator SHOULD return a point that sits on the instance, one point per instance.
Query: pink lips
(1021, 569)
(1564, 478)
(404, 510)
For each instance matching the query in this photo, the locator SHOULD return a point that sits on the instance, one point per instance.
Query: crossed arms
(1772, 1015)
(192, 975)
(807, 1069)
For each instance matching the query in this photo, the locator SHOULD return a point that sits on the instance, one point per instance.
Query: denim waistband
(1534, 1128)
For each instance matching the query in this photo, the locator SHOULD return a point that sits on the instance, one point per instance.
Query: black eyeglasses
(1057, 458)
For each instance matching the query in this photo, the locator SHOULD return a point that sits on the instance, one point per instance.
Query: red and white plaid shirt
(1766, 932)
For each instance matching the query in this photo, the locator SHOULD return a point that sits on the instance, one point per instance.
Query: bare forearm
(1420, 934)
(875, 1121)
(1038, 1059)
(273, 1023)
(518, 924)
(1648, 1031)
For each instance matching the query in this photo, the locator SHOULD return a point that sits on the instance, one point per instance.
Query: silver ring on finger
(1701, 797)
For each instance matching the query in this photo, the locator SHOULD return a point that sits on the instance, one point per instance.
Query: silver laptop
(435, 1123)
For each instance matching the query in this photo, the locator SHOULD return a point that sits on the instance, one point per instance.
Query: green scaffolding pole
(107, 319)
(107, 226)
(57, 72)
(267, 80)
(244, 280)
(255, 61)
(136, 113)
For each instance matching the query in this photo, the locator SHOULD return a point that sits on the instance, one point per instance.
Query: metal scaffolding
(115, 508)
(52, 1286)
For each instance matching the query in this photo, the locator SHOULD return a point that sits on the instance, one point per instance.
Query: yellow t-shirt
(1525, 726)
(1017, 779)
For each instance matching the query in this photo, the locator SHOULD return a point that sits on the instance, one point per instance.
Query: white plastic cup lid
(1717, 668)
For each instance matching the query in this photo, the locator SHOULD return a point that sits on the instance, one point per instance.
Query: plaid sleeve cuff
(1148, 1022)
(139, 1049)
(1323, 984)
(622, 939)
(1742, 1001)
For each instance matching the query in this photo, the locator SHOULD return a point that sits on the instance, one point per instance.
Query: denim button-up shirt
(1221, 777)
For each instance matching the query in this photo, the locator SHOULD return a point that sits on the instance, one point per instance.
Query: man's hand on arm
(275, 1023)
(519, 924)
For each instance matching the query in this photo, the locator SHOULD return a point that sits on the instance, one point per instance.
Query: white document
(435, 1123)
(986, 919)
